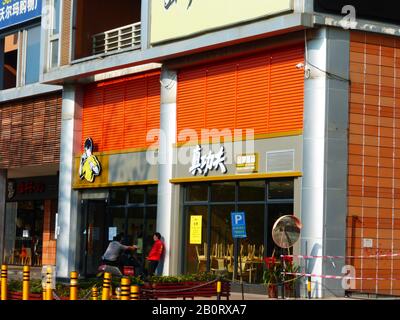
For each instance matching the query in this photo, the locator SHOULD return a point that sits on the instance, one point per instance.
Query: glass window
(10, 61)
(136, 195)
(197, 192)
(223, 191)
(217, 252)
(252, 190)
(54, 53)
(275, 211)
(135, 225)
(196, 254)
(281, 189)
(152, 193)
(150, 229)
(118, 197)
(56, 18)
(116, 222)
(221, 238)
(24, 232)
(32, 55)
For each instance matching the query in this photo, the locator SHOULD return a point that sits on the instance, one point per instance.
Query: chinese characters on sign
(30, 187)
(247, 163)
(195, 229)
(211, 161)
(13, 12)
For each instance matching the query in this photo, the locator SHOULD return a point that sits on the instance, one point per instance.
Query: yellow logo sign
(89, 166)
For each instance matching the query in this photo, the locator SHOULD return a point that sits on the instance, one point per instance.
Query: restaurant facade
(172, 129)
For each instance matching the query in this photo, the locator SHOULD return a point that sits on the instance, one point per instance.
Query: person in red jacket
(155, 253)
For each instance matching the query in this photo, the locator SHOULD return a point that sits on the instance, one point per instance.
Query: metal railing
(117, 39)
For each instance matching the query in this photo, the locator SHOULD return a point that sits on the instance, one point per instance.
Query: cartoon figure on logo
(89, 167)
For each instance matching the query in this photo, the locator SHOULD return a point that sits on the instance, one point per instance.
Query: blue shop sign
(13, 12)
(238, 225)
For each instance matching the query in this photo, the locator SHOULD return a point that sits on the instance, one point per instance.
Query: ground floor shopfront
(30, 216)
(29, 165)
(269, 150)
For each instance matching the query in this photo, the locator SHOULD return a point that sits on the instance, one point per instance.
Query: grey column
(145, 24)
(3, 190)
(166, 215)
(68, 199)
(1, 63)
(324, 185)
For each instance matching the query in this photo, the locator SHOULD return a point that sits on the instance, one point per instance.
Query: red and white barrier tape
(337, 277)
(344, 257)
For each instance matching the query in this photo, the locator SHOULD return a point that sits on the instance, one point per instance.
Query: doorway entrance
(131, 211)
(94, 235)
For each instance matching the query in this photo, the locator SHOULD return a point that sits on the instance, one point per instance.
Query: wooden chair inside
(201, 258)
(26, 260)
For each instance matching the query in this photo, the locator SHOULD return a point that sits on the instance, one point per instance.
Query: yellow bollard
(3, 282)
(118, 293)
(73, 287)
(309, 287)
(219, 290)
(106, 286)
(95, 293)
(125, 286)
(25, 283)
(49, 290)
(135, 292)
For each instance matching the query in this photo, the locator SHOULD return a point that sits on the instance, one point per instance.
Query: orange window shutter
(118, 114)
(221, 97)
(263, 92)
(92, 122)
(253, 77)
(153, 108)
(135, 112)
(191, 102)
(287, 91)
(113, 124)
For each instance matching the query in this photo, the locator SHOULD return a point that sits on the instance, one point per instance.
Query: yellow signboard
(195, 229)
(173, 19)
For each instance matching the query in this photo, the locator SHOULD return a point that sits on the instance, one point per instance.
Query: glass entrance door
(94, 235)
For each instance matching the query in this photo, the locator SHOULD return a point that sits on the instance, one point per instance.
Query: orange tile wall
(49, 244)
(374, 160)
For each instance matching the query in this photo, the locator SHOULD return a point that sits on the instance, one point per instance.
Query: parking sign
(238, 225)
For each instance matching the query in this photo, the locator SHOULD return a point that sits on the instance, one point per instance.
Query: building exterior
(30, 124)
(171, 121)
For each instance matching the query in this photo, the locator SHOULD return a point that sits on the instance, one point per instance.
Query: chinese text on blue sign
(238, 225)
(13, 12)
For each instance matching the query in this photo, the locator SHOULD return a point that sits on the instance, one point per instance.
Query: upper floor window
(54, 33)
(20, 34)
(19, 57)
(101, 27)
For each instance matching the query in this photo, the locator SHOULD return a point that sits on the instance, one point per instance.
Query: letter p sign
(238, 225)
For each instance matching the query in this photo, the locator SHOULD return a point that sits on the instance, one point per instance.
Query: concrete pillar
(3, 190)
(324, 185)
(145, 24)
(68, 201)
(165, 213)
(1, 63)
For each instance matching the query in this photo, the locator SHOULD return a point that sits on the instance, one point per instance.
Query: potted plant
(272, 275)
(289, 279)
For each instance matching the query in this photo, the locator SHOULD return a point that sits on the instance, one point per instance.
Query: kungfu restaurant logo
(89, 166)
(169, 3)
